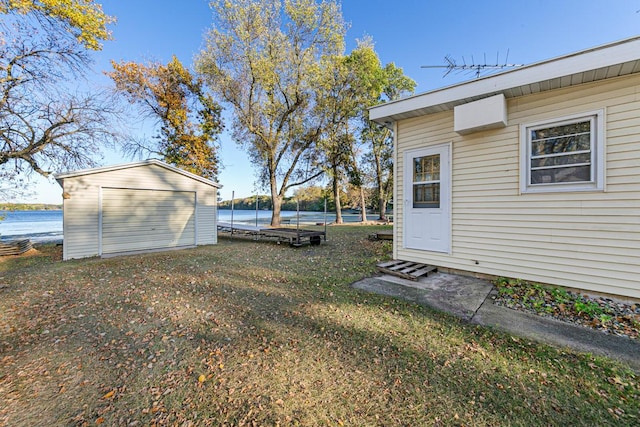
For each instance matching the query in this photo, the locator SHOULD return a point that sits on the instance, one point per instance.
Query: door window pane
(426, 195)
(426, 182)
(426, 168)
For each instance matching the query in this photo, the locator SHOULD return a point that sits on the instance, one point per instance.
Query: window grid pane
(563, 175)
(583, 126)
(426, 169)
(570, 159)
(426, 195)
(568, 143)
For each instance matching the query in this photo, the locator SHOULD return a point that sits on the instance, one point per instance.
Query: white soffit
(598, 63)
(487, 113)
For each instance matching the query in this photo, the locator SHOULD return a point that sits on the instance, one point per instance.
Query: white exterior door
(427, 219)
(134, 220)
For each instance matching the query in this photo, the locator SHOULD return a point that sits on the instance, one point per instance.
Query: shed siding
(82, 208)
(585, 240)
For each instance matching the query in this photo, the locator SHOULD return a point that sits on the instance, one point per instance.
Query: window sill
(562, 189)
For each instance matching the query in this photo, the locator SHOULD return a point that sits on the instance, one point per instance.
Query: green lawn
(256, 333)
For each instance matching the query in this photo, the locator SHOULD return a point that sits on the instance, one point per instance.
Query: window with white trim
(563, 155)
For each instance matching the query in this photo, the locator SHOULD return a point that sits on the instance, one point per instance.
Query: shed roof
(61, 176)
(598, 63)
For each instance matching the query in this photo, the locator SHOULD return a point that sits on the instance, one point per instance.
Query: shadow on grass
(439, 365)
(250, 331)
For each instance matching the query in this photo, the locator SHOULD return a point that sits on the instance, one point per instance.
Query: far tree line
(309, 198)
(297, 101)
(263, 202)
(29, 207)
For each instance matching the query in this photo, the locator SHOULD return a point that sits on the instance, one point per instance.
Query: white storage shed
(134, 207)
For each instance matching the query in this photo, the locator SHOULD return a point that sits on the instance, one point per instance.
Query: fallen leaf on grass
(616, 381)
(109, 395)
(202, 378)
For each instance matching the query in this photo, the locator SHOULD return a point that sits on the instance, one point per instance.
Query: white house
(140, 206)
(532, 173)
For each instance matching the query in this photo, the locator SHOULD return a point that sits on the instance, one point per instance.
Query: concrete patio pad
(471, 299)
(458, 295)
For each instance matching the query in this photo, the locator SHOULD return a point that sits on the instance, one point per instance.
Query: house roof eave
(598, 63)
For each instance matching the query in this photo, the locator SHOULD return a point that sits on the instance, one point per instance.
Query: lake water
(46, 226)
(264, 217)
(39, 226)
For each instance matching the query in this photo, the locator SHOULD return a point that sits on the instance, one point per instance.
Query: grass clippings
(255, 333)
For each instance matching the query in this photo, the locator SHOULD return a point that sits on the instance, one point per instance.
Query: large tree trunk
(382, 203)
(336, 196)
(276, 201)
(277, 208)
(383, 210)
(363, 205)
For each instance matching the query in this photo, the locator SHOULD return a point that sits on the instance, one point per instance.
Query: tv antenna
(473, 67)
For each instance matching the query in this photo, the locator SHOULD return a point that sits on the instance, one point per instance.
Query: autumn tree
(188, 117)
(348, 86)
(334, 107)
(46, 125)
(83, 19)
(263, 58)
(380, 138)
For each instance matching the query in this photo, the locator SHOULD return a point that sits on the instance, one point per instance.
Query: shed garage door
(134, 220)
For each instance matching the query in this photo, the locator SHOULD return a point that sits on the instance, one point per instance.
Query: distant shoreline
(36, 238)
(29, 207)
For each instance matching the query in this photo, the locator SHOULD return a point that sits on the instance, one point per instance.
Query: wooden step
(382, 235)
(405, 269)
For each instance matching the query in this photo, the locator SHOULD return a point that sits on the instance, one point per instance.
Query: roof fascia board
(112, 168)
(590, 59)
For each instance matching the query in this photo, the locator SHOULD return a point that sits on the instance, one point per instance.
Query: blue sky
(409, 33)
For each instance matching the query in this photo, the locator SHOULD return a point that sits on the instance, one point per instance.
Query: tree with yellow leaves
(82, 18)
(188, 116)
(264, 59)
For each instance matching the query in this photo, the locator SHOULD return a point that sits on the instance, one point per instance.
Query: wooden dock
(293, 236)
(406, 269)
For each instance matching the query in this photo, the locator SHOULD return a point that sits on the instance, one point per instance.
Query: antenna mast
(474, 68)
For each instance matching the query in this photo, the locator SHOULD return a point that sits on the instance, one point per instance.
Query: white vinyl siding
(585, 240)
(81, 215)
(135, 220)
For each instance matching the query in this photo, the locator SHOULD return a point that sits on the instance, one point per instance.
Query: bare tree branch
(43, 127)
